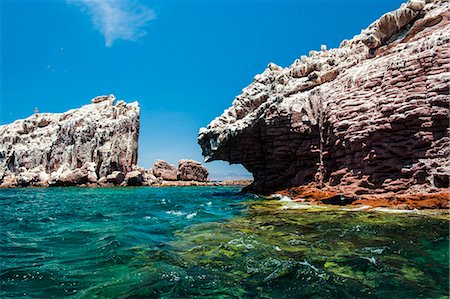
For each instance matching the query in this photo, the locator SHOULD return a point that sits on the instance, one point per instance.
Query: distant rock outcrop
(369, 117)
(190, 170)
(165, 171)
(79, 146)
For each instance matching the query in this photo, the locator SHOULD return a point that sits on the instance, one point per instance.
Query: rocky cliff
(368, 117)
(75, 147)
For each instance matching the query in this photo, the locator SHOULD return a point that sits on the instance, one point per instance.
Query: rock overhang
(284, 111)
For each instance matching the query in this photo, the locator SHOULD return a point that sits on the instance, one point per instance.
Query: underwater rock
(368, 117)
(101, 134)
(190, 170)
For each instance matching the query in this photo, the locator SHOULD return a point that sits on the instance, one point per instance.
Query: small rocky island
(95, 145)
(368, 118)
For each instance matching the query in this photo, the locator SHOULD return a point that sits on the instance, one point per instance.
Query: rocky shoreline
(162, 174)
(95, 145)
(313, 194)
(227, 183)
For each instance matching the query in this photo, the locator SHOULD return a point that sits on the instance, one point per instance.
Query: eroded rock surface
(79, 146)
(190, 170)
(371, 116)
(164, 170)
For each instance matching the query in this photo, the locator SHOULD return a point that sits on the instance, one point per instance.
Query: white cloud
(117, 19)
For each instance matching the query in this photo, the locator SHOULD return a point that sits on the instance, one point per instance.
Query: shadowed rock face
(370, 116)
(78, 146)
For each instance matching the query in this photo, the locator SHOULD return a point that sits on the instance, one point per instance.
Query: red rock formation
(369, 117)
(190, 170)
(165, 171)
(313, 193)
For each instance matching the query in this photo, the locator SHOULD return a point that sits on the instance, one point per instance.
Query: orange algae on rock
(314, 194)
(439, 200)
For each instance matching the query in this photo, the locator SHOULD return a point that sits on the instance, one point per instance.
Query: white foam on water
(192, 215)
(364, 207)
(395, 211)
(247, 244)
(297, 205)
(371, 259)
(285, 199)
(306, 263)
(175, 213)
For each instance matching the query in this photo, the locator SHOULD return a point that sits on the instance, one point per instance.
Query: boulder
(65, 176)
(116, 177)
(150, 178)
(165, 171)
(75, 177)
(134, 178)
(9, 182)
(190, 170)
(102, 182)
(100, 99)
(31, 177)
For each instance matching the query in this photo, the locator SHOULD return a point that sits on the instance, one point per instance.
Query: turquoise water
(211, 242)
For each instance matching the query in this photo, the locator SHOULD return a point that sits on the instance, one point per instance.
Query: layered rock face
(78, 146)
(369, 117)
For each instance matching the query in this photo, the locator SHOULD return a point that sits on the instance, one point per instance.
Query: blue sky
(184, 61)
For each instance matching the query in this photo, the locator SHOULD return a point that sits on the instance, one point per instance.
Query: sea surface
(212, 242)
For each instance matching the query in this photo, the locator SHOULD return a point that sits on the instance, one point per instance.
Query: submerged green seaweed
(213, 243)
(273, 251)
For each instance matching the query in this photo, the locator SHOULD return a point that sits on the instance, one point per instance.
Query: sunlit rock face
(190, 170)
(75, 147)
(370, 116)
(164, 170)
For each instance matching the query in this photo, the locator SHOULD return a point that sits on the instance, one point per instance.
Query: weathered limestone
(370, 117)
(71, 148)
